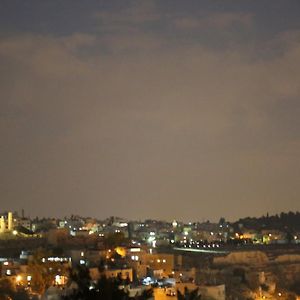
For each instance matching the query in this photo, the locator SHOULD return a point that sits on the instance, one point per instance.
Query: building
(6, 223)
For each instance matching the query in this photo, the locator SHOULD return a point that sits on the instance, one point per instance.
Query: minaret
(2, 224)
(10, 221)
(174, 224)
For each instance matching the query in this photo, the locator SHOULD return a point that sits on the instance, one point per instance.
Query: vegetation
(115, 239)
(8, 290)
(103, 289)
(43, 273)
(289, 222)
(188, 295)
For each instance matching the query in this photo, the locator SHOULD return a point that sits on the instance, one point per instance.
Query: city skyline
(168, 110)
(201, 220)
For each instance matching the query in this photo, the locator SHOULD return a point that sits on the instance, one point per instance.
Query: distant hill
(288, 222)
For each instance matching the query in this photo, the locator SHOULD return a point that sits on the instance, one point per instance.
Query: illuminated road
(159, 294)
(201, 250)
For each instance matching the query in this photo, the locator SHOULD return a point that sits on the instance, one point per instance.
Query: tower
(10, 221)
(2, 224)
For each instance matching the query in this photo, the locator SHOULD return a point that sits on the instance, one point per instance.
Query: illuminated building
(6, 224)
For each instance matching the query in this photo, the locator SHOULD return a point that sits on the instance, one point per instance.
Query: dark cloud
(133, 123)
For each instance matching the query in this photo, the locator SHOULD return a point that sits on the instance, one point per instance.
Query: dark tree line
(188, 295)
(112, 288)
(289, 222)
(104, 289)
(9, 291)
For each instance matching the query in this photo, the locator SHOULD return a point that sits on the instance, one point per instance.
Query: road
(159, 294)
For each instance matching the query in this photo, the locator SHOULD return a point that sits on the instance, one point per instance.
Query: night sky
(150, 109)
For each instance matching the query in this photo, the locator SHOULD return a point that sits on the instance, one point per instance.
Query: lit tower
(2, 224)
(174, 224)
(10, 221)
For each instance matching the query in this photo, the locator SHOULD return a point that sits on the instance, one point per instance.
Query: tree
(188, 295)
(289, 237)
(104, 289)
(146, 294)
(42, 271)
(81, 277)
(7, 288)
(222, 221)
(8, 291)
(115, 239)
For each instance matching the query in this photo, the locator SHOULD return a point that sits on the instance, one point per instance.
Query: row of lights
(204, 246)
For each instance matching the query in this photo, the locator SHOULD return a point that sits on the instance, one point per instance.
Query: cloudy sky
(161, 109)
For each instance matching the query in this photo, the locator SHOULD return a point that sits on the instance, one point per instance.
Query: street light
(18, 279)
